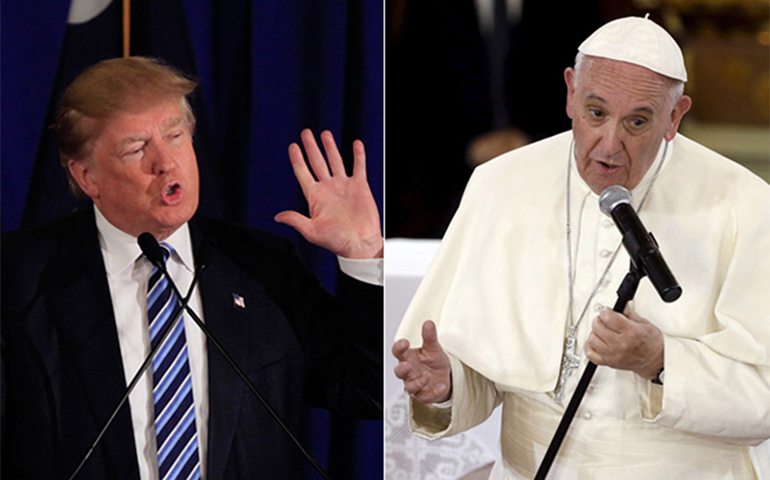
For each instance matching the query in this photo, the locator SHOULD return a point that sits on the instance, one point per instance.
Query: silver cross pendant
(569, 362)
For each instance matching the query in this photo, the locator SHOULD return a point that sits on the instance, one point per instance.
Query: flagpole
(126, 28)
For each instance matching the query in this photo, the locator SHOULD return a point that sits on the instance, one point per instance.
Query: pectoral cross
(569, 362)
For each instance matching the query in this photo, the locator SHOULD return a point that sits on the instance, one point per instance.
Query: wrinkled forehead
(139, 123)
(613, 79)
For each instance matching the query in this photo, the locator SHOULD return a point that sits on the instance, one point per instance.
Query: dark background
(444, 116)
(267, 69)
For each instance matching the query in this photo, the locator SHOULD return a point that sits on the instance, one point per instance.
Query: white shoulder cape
(497, 288)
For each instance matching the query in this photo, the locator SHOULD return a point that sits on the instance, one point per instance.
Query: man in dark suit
(75, 297)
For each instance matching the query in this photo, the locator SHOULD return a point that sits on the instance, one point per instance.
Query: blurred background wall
(459, 94)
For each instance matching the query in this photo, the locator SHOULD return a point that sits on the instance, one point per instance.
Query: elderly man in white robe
(529, 262)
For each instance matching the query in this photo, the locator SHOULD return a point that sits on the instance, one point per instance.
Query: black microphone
(152, 250)
(207, 251)
(615, 202)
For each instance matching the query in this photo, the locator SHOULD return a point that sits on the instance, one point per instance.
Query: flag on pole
(93, 34)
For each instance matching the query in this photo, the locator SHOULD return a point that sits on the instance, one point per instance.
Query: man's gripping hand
(626, 342)
(425, 371)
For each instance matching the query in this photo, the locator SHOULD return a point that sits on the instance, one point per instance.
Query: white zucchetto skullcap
(639, 41)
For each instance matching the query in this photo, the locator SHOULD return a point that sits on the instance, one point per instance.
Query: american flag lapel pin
(239, 301)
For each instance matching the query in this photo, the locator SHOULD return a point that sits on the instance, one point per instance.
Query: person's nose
(162, 157)
(613, 138)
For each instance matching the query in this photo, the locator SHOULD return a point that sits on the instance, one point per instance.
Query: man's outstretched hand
(343, 214)
(425, 371)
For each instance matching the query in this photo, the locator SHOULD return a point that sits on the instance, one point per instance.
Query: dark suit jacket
(62, 372)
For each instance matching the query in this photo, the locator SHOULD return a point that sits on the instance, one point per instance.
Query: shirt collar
(120, 250)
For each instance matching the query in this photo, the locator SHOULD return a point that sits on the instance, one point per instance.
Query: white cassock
(498, 292)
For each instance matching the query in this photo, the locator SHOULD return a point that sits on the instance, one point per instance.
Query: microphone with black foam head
(615, 202)
(152, 250)
(154, 253)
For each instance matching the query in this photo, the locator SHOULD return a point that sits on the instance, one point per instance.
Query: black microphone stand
(143, 368)
(248, 383)
(626, 292)
(151, 250)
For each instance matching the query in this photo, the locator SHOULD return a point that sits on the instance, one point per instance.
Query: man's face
(142, 172)
(620, 113)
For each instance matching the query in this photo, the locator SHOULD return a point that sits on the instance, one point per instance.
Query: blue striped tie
(177, 439)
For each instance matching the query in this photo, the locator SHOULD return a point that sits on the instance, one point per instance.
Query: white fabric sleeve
(718, 380)
(709, 394)
(369, 270)
(473, 399)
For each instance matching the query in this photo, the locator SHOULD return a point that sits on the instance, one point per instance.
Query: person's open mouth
(172, 193)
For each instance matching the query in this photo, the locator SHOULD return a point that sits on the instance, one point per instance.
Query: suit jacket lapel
(227, 325)
(84, 311)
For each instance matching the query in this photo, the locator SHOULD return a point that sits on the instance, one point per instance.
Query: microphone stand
(152, 251)
(626, 292)
(144, 366)
(240, 373)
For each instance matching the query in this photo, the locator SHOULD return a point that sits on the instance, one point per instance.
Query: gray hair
(676, 87)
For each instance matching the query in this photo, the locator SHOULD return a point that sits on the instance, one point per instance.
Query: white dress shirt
(128, 273)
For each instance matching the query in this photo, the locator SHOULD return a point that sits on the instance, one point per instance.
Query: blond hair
(108, 88)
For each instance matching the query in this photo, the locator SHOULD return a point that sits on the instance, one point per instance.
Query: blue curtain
(267, 69)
